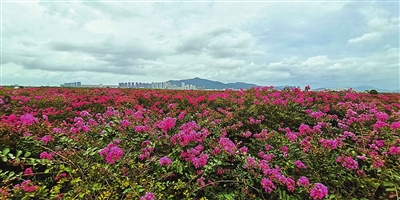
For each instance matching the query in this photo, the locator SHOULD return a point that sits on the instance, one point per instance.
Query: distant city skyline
(322, 44)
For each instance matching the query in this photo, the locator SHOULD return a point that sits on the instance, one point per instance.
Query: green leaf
(6, 150)
(390, 189)
(11, 174)
(27, 154)
(387, 184)
(11, 156)
(4, 159)
(19, 152)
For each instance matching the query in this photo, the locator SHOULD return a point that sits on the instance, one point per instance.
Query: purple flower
(349, 163)
(319, 191)
(394, 150)
(291, 136)
(28, 172)
(148, 196)
(227, 145)
(26, 186)
(330, 144)
(201, 182)
(112, 153)
(243, 150)
(46, 139)
(28, 119)
(395, 125)
(303, 181)
(250, 163)
(290, 184)
(165, 161)
(378, 163)
(168, 124)
(199, 162)
(285, 151)
(45, 155)
(268, 185)
(300, 165)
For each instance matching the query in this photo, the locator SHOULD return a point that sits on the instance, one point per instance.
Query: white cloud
(265, 43)
(366, 37)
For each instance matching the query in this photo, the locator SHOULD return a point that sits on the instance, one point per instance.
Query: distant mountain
(208, 84)
(362, 88)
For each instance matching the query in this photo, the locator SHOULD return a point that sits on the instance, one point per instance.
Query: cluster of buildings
(79, 84)
(73, 84)
(158, 85)
(153, 85)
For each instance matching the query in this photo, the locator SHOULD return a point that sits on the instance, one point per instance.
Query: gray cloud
(323, 44)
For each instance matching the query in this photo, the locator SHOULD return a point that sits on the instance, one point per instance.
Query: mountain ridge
(209, 84)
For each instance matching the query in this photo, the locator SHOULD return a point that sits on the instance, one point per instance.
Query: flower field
(66, 143)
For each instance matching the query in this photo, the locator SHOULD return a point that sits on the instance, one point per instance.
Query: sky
(316, 43)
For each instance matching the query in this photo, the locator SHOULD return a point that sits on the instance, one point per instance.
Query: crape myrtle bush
(64, 143)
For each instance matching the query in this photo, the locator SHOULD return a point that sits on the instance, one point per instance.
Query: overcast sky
(324, 44)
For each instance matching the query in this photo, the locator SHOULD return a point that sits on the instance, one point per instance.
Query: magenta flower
(46, 139)
(378, 163)
(285, 151)
(201, 182)
(227, 145)
(268, 147)
(28, 119)
(199, 162)
(319, 191)
(349, 163)
(243, 150)
(300, 165)
(250, 163)
(28, 172)
(395, 125)
(394, 150)
(268, 185)
(330, 144)
(168, 124)
(148, 196)
(45, 155)
(382, 116)
(26, 186)
(303, 181)
(165, 161)
(290, 184)
(112, 153)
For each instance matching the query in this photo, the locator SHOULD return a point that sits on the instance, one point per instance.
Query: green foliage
(373, 91)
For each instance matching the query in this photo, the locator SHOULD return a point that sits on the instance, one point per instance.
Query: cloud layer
(328, 44)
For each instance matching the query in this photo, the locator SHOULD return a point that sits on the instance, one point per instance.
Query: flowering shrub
(65, 143)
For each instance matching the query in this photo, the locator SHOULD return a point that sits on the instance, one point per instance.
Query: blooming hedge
(66, 143)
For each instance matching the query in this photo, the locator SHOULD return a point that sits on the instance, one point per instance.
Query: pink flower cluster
(268, 185)
(28, 172)
(165, 161)
(191, 155)
(148, 196)
(227, 145)
(45, 155)
(189, 132)
(331, 144)
(47, 138)
(28, 119)
(167, 124)
(303, 181)
(299, 165)
(348, 162)
(319, 191)
(112, 152)
(26, 186)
